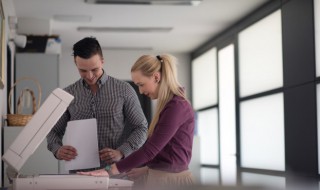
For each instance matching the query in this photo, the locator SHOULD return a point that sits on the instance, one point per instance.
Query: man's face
(90, 69)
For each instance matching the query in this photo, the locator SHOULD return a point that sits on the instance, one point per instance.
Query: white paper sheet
(82, 135)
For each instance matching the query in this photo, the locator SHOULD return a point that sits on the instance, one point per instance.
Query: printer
(31, 137)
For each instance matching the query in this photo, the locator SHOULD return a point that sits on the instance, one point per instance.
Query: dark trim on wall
(210, 166)
(300, 101)
(226, 37)
(299, 77)
(298, 42)
(2, 162)
(262, 171)
(237, 91)
(218, 111)
(190, 81)
(144, 101)
(207, 108)
(233, 31)
(301, 147)
(261, 94)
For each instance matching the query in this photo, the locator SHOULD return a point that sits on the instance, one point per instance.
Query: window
(262, 133)
(207, 122)
(260, 56)
(204, 80)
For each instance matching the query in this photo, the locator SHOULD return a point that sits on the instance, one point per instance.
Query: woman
(167, 152)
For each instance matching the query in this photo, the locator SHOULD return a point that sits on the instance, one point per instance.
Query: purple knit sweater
(170, 146)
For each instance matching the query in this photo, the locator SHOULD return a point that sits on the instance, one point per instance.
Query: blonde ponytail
(169, 85)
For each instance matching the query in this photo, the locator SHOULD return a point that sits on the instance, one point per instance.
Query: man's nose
(89, 75)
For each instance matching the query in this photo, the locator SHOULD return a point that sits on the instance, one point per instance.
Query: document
(82, 135)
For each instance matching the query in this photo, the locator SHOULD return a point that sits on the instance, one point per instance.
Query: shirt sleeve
(169, 122)
(136, 122)
(54, 138)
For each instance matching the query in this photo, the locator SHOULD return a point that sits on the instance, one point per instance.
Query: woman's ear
(157, 77)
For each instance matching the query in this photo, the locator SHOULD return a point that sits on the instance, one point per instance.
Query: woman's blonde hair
(169, 85)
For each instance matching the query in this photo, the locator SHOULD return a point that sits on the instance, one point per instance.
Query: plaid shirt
(120, 119)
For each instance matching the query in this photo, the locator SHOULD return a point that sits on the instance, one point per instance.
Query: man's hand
(66, 153)
(110, 156)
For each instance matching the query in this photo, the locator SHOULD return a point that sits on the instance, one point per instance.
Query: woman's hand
(66, 153)
(96, 173)
(135, 173)
(102, 172)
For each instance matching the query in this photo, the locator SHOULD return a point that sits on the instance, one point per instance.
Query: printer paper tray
(69, 182)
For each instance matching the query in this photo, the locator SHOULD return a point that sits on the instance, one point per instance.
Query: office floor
(211, 177)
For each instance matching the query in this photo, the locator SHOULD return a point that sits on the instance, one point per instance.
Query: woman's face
(148, 86)
(90, 69)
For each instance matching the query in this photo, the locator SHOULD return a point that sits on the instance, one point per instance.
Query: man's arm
(54, 138)
(136, 123)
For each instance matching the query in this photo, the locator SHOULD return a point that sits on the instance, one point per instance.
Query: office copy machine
(31, 137)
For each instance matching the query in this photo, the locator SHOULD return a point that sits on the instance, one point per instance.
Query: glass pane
(204, 72)
(260, 56)
(269, 181)
(209, 176)
(207, 123)
(317, 33)
(194, 165)
(227, 116)
(262, 133)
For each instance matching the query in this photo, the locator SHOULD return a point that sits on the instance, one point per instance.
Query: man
(121, 124)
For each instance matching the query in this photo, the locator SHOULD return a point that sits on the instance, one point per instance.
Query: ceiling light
(72, 18)
(146, 2)
(124, 29)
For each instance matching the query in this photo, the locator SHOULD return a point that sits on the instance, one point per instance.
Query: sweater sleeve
(169, 122)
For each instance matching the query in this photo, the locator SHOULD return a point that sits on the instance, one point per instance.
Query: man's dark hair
(86, 48)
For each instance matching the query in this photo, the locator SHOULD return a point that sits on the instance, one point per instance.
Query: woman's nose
(140, 90)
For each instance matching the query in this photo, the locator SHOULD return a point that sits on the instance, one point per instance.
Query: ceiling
(190, 26)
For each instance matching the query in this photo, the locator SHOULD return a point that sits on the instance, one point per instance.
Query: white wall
(8, 10)
(118, 65)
